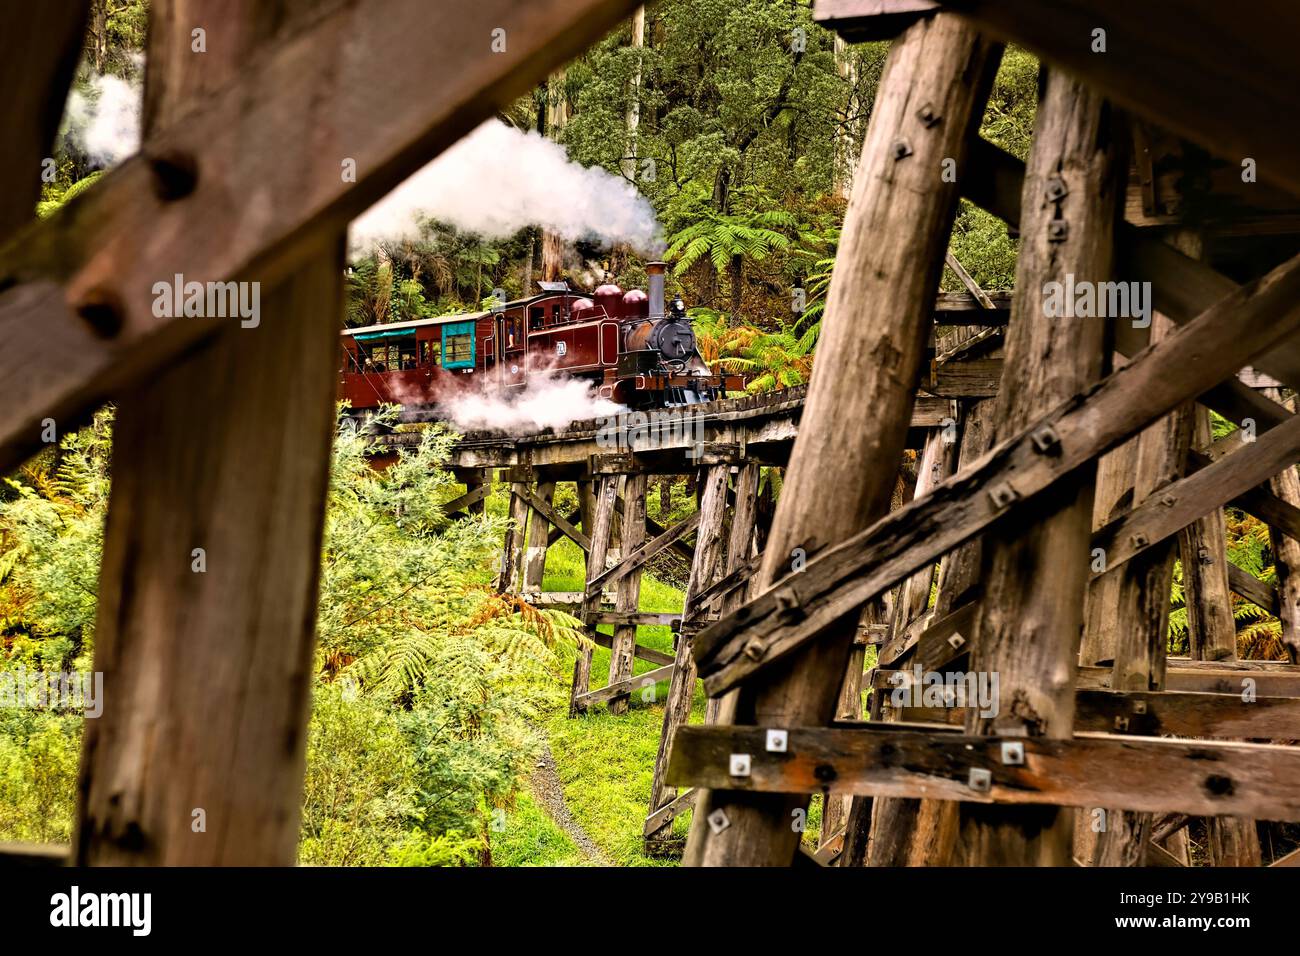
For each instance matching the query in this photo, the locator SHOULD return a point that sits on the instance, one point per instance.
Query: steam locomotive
(626, 344)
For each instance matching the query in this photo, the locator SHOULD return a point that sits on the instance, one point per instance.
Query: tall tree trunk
(1036, 569)
(631, 154)
(845, 155)
(554, 246)
(99, 34)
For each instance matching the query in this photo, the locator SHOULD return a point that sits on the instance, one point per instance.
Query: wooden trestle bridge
(1080, 465)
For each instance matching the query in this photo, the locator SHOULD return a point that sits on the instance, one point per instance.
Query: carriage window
(428, 354)
(536, 316)
(458, 345)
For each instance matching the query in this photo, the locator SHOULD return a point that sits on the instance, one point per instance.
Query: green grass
(606, 762)
(531, 839)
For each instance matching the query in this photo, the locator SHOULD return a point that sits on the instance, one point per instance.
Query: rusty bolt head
(1058, 230)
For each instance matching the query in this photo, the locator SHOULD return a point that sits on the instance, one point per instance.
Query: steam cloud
(498, 179)
(549, 400)
(104, 122)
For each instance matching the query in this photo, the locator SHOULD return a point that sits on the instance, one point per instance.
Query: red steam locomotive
(633, 352)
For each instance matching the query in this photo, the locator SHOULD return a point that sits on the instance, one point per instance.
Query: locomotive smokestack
(655, 277)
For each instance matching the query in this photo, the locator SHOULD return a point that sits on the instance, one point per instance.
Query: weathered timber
(862, 20)
(726, 587)
(562, 526)
(1207, 575)
(643, 653)
(935, 464)
(628, 596)
(42, 43)
(570, 521)
(642, 553)
(1226, 336)
(1285, 485)
(1036, 568)
(1164, 61)
(620, 689)
(740, 555)
(85, 276)
(535, 547)
(460, 504)
(510, 575)
(1183, 288)
(602, 526)
(1180, 503)
(661, 818)
(1259, 593)
(1088, 770)
(681, 691)
(1149, 713)
(206, 620)
(859, 405)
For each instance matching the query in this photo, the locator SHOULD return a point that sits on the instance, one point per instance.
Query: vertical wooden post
(484, 478)
(1286, 558)
(1036, 568)
(599, 531)
(1212, 632)
(623, 647)
(906, 831)
(207, 654)
(933, 466)
(512, 551)
(740, 546)
(893, 817)
(681, 689)
(1113, 495)
(959, 571)
(37, 60)
(535, 547)
(1142, 619)
(870, 357)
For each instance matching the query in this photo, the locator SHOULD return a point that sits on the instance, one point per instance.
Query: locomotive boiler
(632, 349)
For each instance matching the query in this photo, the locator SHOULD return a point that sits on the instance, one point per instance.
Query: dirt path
(549, 791)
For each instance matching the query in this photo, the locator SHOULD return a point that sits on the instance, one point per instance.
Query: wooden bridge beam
(929, 102)
(627, 597)
(208, 585)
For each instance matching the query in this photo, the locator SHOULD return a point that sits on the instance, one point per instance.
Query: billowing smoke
(549, 400)
(498, 180)
(103, 120)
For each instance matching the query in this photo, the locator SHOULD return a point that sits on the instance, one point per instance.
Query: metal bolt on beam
(1046, 440)
(980, 779)
(739, 766)
(777, 741)
(718, 821)
(1013, 752)
(1002, 495)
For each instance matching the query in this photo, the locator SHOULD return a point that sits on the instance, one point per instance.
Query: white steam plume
(549, 400)
(498, 179)
(104, 122)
